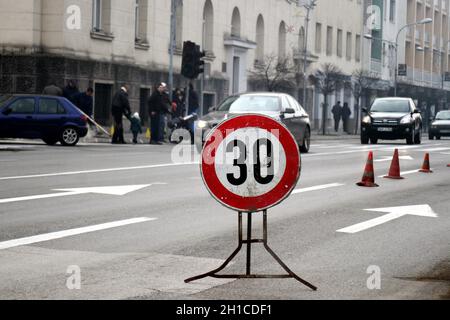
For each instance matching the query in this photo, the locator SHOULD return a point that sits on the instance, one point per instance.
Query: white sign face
(250, 162)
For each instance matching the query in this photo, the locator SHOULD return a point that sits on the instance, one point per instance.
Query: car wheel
(69, 137)
(373, 140)
(431, 137)
(50, 141)
(364, 139)
(306, 142)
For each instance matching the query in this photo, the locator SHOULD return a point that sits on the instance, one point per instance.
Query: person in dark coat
(337, 114)
(346, 113)
(158, 105)
(84, 101)
(178, 106)
(120, 107)
(70, 91)
(194, 103)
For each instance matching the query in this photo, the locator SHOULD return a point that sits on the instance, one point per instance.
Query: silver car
(440, 127)
(280, 106)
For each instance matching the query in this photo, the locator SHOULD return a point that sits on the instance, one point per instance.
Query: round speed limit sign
(250, 163)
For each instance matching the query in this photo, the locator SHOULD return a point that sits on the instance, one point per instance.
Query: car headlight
(367, 120)
(406, 120)
(202, 124)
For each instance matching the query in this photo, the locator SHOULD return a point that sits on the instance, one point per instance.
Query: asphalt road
(46, 234)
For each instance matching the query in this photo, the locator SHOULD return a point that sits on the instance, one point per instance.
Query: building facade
(105, 43)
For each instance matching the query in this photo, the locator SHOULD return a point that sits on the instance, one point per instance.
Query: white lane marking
(99, 171)
(115, 191)
(404, 173)
(316, 188)
(334, 146)
(436, 149)
(385, 159)
(393, 213)
(68, 233)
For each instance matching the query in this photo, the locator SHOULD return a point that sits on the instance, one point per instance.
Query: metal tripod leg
(280, 262)
(223, 266)
(249, 242)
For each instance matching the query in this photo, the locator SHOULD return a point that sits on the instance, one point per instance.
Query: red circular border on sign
(274, 196)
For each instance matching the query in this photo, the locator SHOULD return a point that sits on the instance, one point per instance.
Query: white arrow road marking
(316, 188)
(68, 233)
(393, 213)
(385, 159)
(116, 191)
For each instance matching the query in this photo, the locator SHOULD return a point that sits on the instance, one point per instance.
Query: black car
(440, 127)
(49, 118)
(392, 119)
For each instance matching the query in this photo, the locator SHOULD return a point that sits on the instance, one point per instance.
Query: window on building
(339, 43)
(282, 40)
(236, 23)
(260, 39)
(392, 11)
(358, 48)
(348, 51)
(208, 25)
(301, 39)
(179, 24)
(318, 44)
(141, 17)
(329, 41)
(101, 16)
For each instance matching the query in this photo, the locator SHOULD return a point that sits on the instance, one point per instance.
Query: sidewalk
(315, 136)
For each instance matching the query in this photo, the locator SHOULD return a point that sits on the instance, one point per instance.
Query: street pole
(173, 28)
(424, 21)
(308, 7)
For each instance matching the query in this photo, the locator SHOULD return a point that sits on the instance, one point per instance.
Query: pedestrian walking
(52, 90)
(158, 106)
(346, 113)
(70, 91)
(337, 114)
(135, 127)
(120, 107)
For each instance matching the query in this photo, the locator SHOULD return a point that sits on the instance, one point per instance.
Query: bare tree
(327, 79)
(362, 80)
(274, 73)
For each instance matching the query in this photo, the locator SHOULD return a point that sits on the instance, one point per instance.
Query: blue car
(49, 118)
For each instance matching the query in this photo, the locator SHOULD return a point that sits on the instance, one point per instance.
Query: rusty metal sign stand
(249, 241)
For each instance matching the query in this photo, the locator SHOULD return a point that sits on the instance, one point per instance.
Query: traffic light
(199, 64)
(192, 65)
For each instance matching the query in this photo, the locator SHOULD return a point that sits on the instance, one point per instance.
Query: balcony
(232, 40)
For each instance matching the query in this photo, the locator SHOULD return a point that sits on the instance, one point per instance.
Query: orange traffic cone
(394, 172)
(368, 179)
(426, 165)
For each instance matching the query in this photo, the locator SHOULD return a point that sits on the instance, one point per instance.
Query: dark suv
(391, 119)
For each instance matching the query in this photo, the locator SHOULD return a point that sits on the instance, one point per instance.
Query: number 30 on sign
(250, 163)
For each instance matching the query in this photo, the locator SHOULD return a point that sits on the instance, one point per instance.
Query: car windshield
(251, 103)
(443, 115)
(400, 106)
